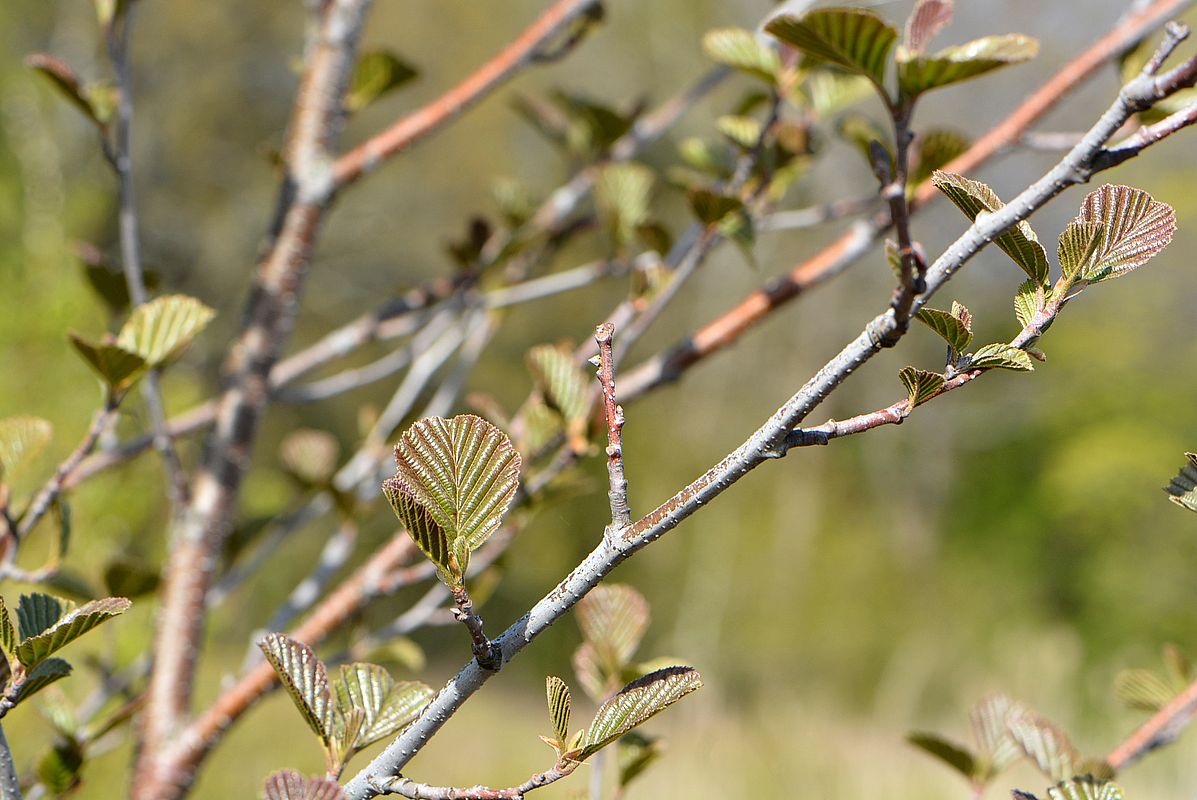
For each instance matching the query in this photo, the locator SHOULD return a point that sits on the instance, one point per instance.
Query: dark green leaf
(1183, 488)
(1078, 243)
(377, 73)
(928, 18)
(919, 73)
(41, 676)
(129, 576)
(741, 50)
(116, 366)
(613, 618)
(855, 39)
(1002, 356)
(559, 701)
(161, 329)
(1045, 744)
(920, 385)
(58, 768)
(305, 679)
(310, 455)
(711, 207)
(636, 703)
(955, 756)
(69, 627)
(1018, 242)
(1135, 228)
(36, 613)
(21, 439)
(952, 329)
(1142, 689)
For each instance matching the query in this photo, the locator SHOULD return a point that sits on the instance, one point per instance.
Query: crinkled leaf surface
(919, 73)
(920, 385)
(1142, 689)
(1078, 243)
(954, 755)
(741, 50)
(288, 784)
(928, 18)
(952, 329)
(990, 720)
(387, 706)
(1019, 242)
(560, 381)
(42, 675)
(1045, 744)
(855, 39)
(115, 365)
(376, 73)
(1002, 356)
(1135, 227)
(68, 628)
(1183, 488)
(1085, 787)
(37, 612)
(160, 329)
(636, 703)
(1026, 302)
(623, 191)
(21, 438)
(305, 679)
(558, 696)
(613, 618)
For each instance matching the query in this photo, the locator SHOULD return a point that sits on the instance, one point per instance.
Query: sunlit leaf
(855, 39)
(561, 382)
(288, 784)
(386, 706)
(936, 149)
(613, 618)
(623, 191)
(377, 72)
(115, 365)
(558, 697)
(159, 330)
(1002, 356)
(310, 455)
(919, 73)
(741, 50)
(1045, 744)
(955, 756)
(21, 439)
(928, 18)
(920, 385)
(705, 156)
(67, 628)
(996, 747)
(1078, 243)
(1027, 301)
(1085, 787)
(305, 679)
(42, 675)
(634, 753)
(830, 92)
(742, 131)
(1183, 488)
(636, 703)
(1018, 242)
(1142, 689)
(1135, 228)
(454, 480)
(952, 329)
(37, 613)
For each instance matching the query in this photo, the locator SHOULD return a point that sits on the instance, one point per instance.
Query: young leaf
(928, 18)
(955, 756)
(1002, 356)
(305, 679)
(8, 635)
(1078, 243)
(67, 628)
(1183, 488)
(561, 382)
(920, 385)
(310, 455)
(376, 73)
(744, 132)
(855, 39)
(936, 149)
(66, 82)
(1026, 302)
(623, 190)
(1044, 744)
(453, 483)
(950, 328)
(1018, 242)
(830, 92)
(918, 73)
(115, 365)
(37, 612)
(741, 50)
(991, 730)
(1142, 689)
(288, 784)
(386, 706)
(41, 676)
(588, 668)
(21, 438)
(159, 330)
(613, 618)
(1086, 787)
(636, 703)
(1135, 228)
(559, 706)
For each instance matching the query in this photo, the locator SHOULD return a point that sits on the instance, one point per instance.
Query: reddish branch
(617, 492)
(1163, 728)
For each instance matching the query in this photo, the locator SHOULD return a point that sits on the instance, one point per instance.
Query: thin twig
(801, 218)
(405, 787)
(617, 491)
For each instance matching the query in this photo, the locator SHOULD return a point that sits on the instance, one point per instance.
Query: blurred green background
(1012, 536)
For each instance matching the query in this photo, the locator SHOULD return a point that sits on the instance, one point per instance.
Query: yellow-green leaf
(919, 73)
(561, 382)
(305, 678)
(159, 330)
(115, 365)
(854, 39)
(377, 72)
(1026, 302)
(1142, 689)
(920, 385)
(953, 330)
(310, 455)
(1002, 356)
(1086, 787)
(623, 191)
(558, 697)
(741, 50)
(21, 438)
(745, 132)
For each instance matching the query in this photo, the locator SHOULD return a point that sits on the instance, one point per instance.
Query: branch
(621, 517)
(768, 442)
(488, 656)
(410, 129)
(406, 787)
(10, 781)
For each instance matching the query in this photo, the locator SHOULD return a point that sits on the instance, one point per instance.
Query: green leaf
(310, 455)
(928, 19)
(829, 92)
(920, 385)
(996, 747)
(559, 707)
(129, 576)
(634, 753)
(1142, 689)
(1135, 228)
(159, 330)
(936, 149)
(377, 72)
(1018, 242)
(636, 703)
(741, 50)
(613, 618)
(712, 207)
(37, 613)
(1078, 243)
(589, 670)
(59, 767)
(855, 39)
(1177, 667)
(1027, 301)
(305, 679)
(66, 82)
(386, 706)
(623, 191)
(918, 73)
(745, 132)
(1045, 744)
(453, 483)
(67, 628)
(705, 156)
(955, 756)
(561, 382)
(21, 439)
(41, 676)
(953, 330)
(1183, 488)
(861, 130)
(1002, 356)
(1085, 787)
(115, 365)
(8, 634)
(288, 784)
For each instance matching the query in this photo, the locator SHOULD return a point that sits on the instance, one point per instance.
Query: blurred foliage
(1010, 536)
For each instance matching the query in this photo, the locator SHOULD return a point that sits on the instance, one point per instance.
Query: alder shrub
(462, 482)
